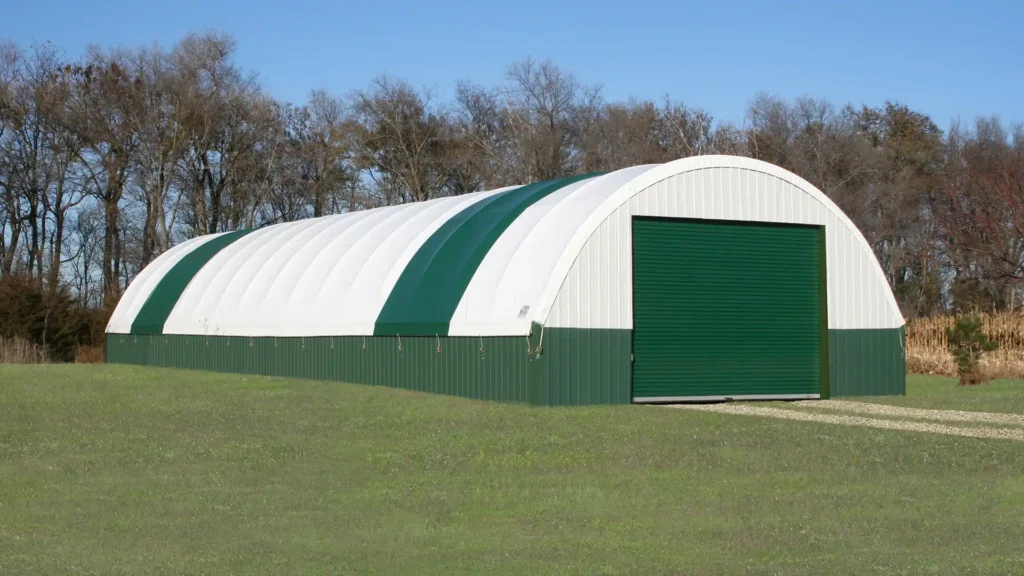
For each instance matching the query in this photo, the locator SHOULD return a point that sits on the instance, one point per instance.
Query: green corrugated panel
(430, 287)
(499, 374)
(581, 366)
(727, 309)
(576, 366)
(867, 362)
(160, 302)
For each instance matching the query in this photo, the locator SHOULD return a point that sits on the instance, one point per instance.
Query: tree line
(110, 158)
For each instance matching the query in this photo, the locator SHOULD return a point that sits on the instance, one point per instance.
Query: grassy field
(113, 469)
(943, 393)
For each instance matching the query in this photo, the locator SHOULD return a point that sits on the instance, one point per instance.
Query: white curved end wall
(596, 291)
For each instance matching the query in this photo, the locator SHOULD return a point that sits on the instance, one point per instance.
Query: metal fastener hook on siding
(250, 341)
(364, 343)
(540, 345)
(481, 346)
(438, 343)
(528, 351)
(399, 343)
(332, 342)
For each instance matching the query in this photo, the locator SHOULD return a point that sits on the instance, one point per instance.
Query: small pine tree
(967, 343)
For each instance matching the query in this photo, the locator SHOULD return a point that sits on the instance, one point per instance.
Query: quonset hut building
(706, 278)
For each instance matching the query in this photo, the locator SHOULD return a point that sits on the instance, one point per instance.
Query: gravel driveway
(997, 426)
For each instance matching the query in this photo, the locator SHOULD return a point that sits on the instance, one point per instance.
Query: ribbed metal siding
(726, 309)
(867, 362)
(499, 374)
(579, 367)
(575, 367)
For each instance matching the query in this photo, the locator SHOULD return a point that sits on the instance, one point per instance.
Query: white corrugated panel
(325, 276)
(142, 286)
(595, 291)
(502, 296)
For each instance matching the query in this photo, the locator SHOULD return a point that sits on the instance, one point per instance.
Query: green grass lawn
(114, 469)
(943, 393)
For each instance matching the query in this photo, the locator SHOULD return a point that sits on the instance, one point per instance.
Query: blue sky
(944, 58)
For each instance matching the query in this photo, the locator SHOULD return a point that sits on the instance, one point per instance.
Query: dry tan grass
(89, 354)
(20, 351)
(928, 352)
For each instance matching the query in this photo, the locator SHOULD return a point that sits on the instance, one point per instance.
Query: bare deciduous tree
(406, 141)
(109, 159)
(543, 102)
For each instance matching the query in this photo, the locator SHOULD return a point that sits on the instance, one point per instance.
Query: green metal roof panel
(430, 287)
(161, 301)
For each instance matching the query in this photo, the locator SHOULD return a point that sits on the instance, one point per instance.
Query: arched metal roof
(486, 263)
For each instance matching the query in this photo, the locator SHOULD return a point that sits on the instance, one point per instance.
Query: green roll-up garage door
(727, 310)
